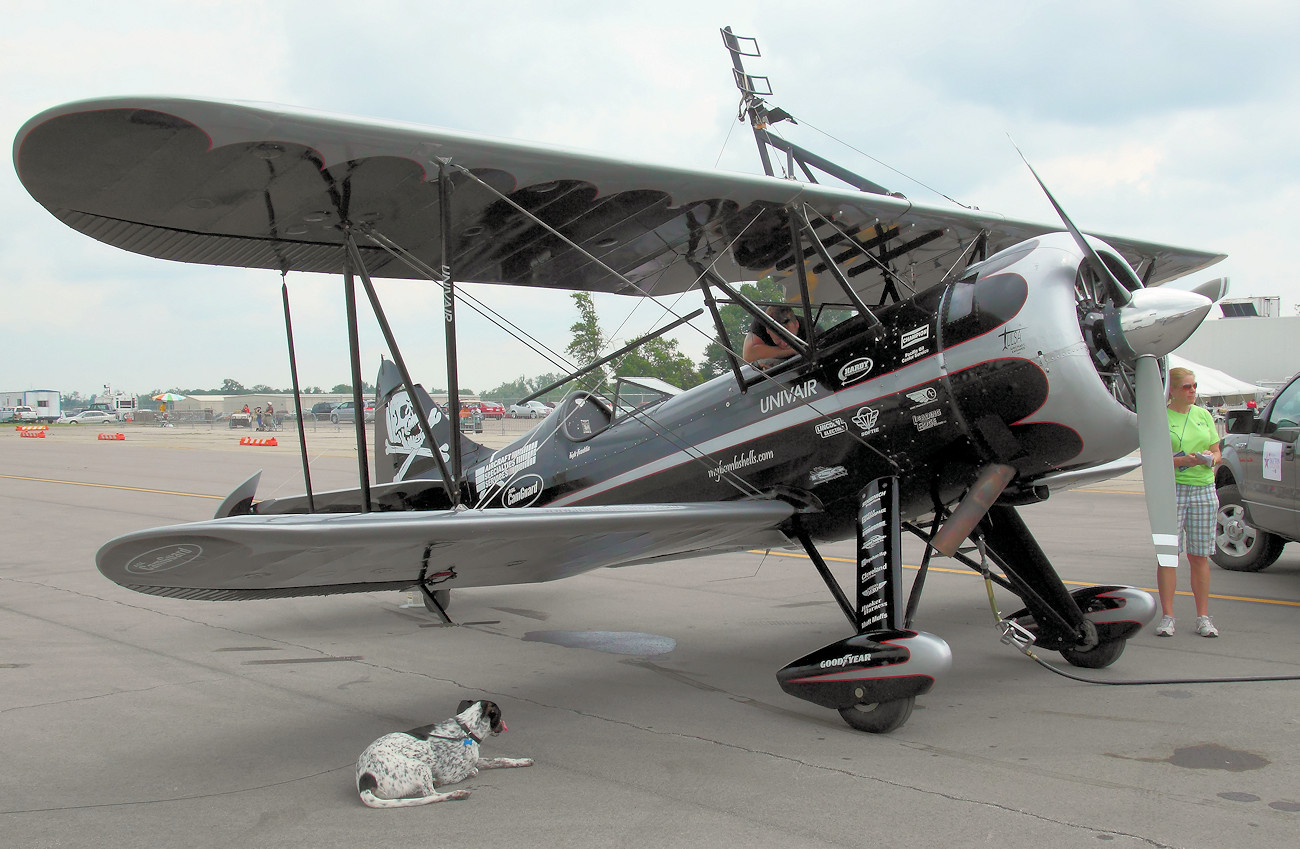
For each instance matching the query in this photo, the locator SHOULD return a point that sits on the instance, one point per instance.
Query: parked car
(347, 412)
(23, 414)
(1258, 484)
(88, 417)
(492, 410)
(531, 410)
(321, 409)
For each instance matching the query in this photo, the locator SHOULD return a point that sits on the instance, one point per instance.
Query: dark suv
(1259, 484)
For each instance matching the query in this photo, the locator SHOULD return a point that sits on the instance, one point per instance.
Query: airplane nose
(1155, 322)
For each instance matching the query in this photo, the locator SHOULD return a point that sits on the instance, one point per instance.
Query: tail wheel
(878, 717)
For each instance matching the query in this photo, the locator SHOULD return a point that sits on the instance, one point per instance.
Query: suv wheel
(1239, 546)
(334, 418)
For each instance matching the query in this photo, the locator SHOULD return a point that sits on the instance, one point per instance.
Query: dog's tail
(366, 785)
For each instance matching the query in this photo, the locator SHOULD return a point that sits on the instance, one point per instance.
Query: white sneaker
(1205, 627)
(1166, 627)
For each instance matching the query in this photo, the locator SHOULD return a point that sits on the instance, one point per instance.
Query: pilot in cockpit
(763, 348)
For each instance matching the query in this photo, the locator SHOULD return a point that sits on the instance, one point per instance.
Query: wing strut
(297, 396)
(449, 482)
(354, 356)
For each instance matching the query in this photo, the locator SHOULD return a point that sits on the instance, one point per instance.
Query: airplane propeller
(1146, 325)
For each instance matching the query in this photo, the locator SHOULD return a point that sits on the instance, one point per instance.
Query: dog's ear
(492, 714)
(463, 706)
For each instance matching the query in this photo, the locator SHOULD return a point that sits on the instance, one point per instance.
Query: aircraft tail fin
(400, 449)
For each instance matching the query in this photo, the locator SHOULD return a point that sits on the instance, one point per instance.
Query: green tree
(737, 320)
(230, 386)
(659, 357)
(588, 340)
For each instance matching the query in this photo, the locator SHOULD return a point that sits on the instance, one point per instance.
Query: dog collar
(476, 738)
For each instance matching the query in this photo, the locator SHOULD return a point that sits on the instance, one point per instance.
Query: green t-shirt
(1191, 433)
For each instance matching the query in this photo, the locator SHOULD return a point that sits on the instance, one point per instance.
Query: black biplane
(957, 365)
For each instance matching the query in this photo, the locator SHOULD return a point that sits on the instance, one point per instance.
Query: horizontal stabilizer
(254, 556)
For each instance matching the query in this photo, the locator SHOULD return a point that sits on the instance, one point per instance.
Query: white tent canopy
(1219, 387)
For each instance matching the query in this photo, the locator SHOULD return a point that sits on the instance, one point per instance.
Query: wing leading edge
(263, 186)
(249, 557)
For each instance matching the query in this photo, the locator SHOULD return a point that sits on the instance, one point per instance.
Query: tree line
(658, 357)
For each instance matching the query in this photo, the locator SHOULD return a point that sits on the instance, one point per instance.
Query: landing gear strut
(874, 677)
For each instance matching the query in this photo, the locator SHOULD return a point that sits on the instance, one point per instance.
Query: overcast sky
(1168, 121)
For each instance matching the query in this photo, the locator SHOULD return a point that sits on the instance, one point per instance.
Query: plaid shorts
(1197, 508)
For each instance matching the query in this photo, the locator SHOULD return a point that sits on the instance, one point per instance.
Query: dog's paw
(523, 761)
(457, 795)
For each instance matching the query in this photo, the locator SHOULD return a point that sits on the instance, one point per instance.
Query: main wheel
(1239, 546)
(1098, 657)
(878, 717)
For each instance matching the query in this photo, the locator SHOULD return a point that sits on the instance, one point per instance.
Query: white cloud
(1159, 120)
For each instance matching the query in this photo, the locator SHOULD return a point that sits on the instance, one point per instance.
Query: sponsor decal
(880, 511)
(879, 617)
(877, 526)
(868, 609)
(928, 395)
(834, 427)
(914, 343)
(1013, 339)
(822, 474)
(878, 586)
(504, 466)
(866, 420)
(855, 370)
(925, 421)
(777, 400)
(583, 450)
(915, 336)
(162, 559)
(838, 662)
(874, 571)
(523, 492)
(740, 461)
(875, 540)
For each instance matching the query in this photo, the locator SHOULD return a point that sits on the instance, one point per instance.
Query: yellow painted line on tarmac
(971, 573)
(1109, 491)
(111, 486)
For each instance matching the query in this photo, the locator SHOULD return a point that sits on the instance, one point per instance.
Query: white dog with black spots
(405, 769)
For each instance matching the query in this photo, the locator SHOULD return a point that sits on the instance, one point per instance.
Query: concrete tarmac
(646, 695)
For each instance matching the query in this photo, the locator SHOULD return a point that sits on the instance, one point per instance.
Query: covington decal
(740, 462)
(162, 559)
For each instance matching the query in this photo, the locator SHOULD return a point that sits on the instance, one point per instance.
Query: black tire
(334, 419)
(1098, 657)
(1238, 545)
(878, 717)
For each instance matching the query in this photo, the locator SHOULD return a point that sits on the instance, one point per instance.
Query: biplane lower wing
(250, 557)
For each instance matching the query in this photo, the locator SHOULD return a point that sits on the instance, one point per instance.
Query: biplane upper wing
(265, 186)
(252, 556)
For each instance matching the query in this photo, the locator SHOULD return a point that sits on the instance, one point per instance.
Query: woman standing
(1195, 442)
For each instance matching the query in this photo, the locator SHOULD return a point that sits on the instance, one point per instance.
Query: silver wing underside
(264, 186)
(250, 557)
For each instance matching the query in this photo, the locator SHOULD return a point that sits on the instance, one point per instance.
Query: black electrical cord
(1013, 634)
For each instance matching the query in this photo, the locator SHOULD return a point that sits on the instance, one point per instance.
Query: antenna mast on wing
(752, 89)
